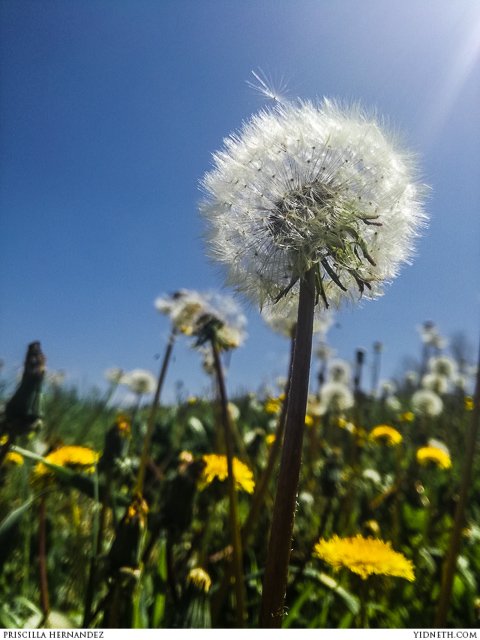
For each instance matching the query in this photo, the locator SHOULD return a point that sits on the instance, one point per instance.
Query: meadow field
(84, 545)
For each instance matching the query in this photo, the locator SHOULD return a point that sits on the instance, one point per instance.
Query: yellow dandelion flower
(273, 405)
(386, 435)
(216, 468)
(185, 457)
(469, 404)
(137, 510)
(345, 424)
(191, 400)
(407, 416)
(14, 458)
(437, 456)
(81, 458)
(200, 578)
(3, 440)
(373, 527)
(365, 557)
(270, 439)
(123, 424)
(309, 421)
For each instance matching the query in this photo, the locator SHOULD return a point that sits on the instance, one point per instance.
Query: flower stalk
(153, 413)
(42, 559)
(232, 494)
(278, 555)
(459, 521)
(262, 484)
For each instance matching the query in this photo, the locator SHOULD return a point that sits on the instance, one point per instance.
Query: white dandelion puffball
(427, 403)
(307, 185)
(188, 311)
(113, 375)
(339, 371)
(183, 307)
(336, 397)
(139, 381)
(435, 382)
(393, 403)
(411, 377)
(443, 366)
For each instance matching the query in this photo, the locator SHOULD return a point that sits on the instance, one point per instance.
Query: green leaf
(13, 519)
(295, 609)
(160, 597)
(327, 581)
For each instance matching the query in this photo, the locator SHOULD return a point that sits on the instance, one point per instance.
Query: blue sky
(109, 113)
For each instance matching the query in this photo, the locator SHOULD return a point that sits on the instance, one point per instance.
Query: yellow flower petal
(365, 557)
(216, 468)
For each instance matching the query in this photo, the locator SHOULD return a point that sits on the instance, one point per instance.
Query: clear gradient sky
(109, 113)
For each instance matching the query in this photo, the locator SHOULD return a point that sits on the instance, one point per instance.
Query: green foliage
(348, 485)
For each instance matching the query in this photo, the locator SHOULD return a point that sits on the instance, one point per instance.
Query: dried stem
(232, 494)
(459, 521)
(278, 556)
(152, 415)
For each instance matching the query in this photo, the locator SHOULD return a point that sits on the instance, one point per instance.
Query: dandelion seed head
(339, 371)
(393, 403)
(139, 381)
(435, 382)
(460, 382)
(336, 397)
(427, 403)
(411, 377)
(372, 475)
(191, 311)
(443, 366)
(323, 351)
(307, 185)
(113, 375)
(387, 387)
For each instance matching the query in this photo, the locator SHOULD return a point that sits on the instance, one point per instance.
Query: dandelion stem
(152, 415)
(262, 484)
(459, 520)
(260, 488)
(232, 494)
(98, 526)
(42, 558)
(278, 555)
(363, 601)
